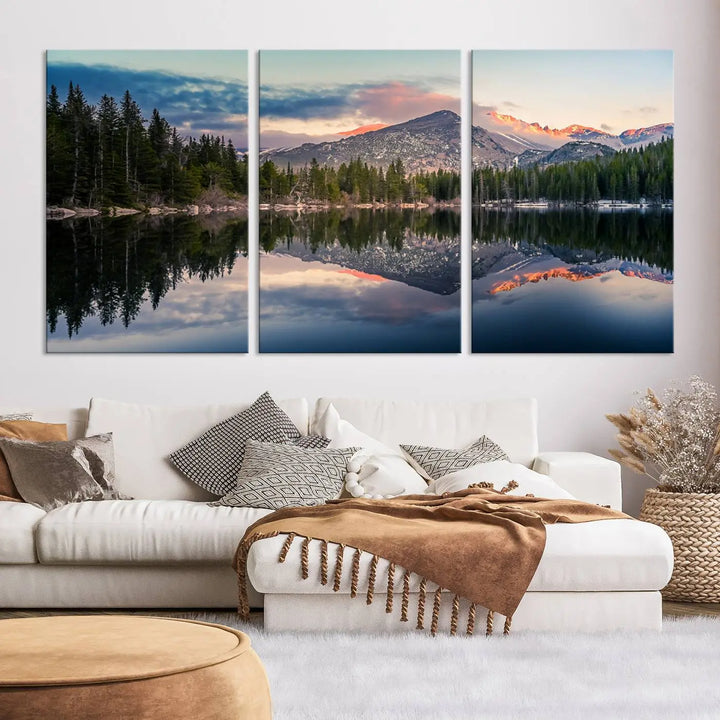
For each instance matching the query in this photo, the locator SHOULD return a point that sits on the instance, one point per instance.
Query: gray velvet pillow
(51, 474)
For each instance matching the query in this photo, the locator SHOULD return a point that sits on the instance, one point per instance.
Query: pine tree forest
(105, 155)
(355, 182)
(628, 176)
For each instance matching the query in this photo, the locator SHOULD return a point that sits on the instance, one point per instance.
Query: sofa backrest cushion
(144, 435)
(512, 423)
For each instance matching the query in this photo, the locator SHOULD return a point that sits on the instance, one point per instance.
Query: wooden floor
(670, 609)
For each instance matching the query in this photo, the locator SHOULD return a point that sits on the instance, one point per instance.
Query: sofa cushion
(604, 555)
(512, 424)
(144, 435)
(17, 532)
(142, 531)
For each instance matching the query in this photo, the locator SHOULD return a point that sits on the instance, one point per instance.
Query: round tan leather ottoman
(121, 666)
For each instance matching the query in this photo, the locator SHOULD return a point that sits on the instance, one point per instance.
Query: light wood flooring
(670, 609)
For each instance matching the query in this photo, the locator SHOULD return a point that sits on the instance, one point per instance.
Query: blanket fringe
(323, 562)
(390, 588)
(371, 580)
(355, 573)
(421, 605)
(455, 613)
(244, 606)
(304, 558)
(241, 566)
(471, 619)
(510, 486)
(405, 597)
(286, 546)
(436, 612)
(338, 567)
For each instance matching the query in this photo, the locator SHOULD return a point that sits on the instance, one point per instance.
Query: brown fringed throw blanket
(477, 543)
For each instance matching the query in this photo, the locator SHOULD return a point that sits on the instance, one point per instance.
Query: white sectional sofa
(168, 549)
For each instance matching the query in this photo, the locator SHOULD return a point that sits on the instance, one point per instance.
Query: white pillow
(377, 470)
(379, 476)
(144, 435)
(500, 473)
(342, 434)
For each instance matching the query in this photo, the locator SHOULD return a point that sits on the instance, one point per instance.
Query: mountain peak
(426, 143)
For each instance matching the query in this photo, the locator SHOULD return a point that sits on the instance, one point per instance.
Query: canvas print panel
(572, 201)
(146, 189)
(360, 194)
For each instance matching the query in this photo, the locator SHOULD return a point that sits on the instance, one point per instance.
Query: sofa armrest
(588, 477)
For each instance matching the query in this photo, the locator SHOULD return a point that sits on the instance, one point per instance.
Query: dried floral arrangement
(674, 438)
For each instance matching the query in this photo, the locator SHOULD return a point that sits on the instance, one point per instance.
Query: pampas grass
(553, 676)
(674, 440)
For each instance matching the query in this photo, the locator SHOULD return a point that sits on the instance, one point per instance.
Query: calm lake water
(564, 281)
(147, 284)
(373, 281)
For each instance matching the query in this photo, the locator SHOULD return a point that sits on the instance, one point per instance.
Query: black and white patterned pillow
(433, 462)
(275, 476)
(4, 416)
(214, 459)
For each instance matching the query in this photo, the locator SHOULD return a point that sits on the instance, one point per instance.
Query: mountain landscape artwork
(359, 180)
(146, 194)
(572, 201)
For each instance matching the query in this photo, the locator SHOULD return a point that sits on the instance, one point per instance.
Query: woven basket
(692, 520)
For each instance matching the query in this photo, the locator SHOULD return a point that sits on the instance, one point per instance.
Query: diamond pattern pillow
(214, 459)
(275, 476)
(433, 463)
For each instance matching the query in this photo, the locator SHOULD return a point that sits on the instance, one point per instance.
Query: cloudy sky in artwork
(611, 90)
(196, 91)
(311, 96)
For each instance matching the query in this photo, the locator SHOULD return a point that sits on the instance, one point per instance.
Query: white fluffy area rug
(674, 674)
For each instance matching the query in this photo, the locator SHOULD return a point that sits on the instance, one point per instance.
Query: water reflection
(363, 281)
(135, 284)
(572, 281)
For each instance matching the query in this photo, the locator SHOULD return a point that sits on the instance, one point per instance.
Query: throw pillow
(378, 470)
(501, 473)
(432, 462)
(50, 476)
(213, 460)
(24, 430)
(381, 476)
(9, 415)
(344, 434)
(276, 475)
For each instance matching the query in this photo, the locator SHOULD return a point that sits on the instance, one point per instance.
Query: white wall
(574, 391)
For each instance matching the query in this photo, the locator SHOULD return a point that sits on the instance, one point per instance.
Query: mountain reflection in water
(572, 281)
(360, 281)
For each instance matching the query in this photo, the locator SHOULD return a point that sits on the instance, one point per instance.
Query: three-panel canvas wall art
(359, 200)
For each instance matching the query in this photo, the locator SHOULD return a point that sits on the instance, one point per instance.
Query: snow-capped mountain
(543, 137)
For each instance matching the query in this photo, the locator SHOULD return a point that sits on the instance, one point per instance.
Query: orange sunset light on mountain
(363, 275)
(363, 129)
